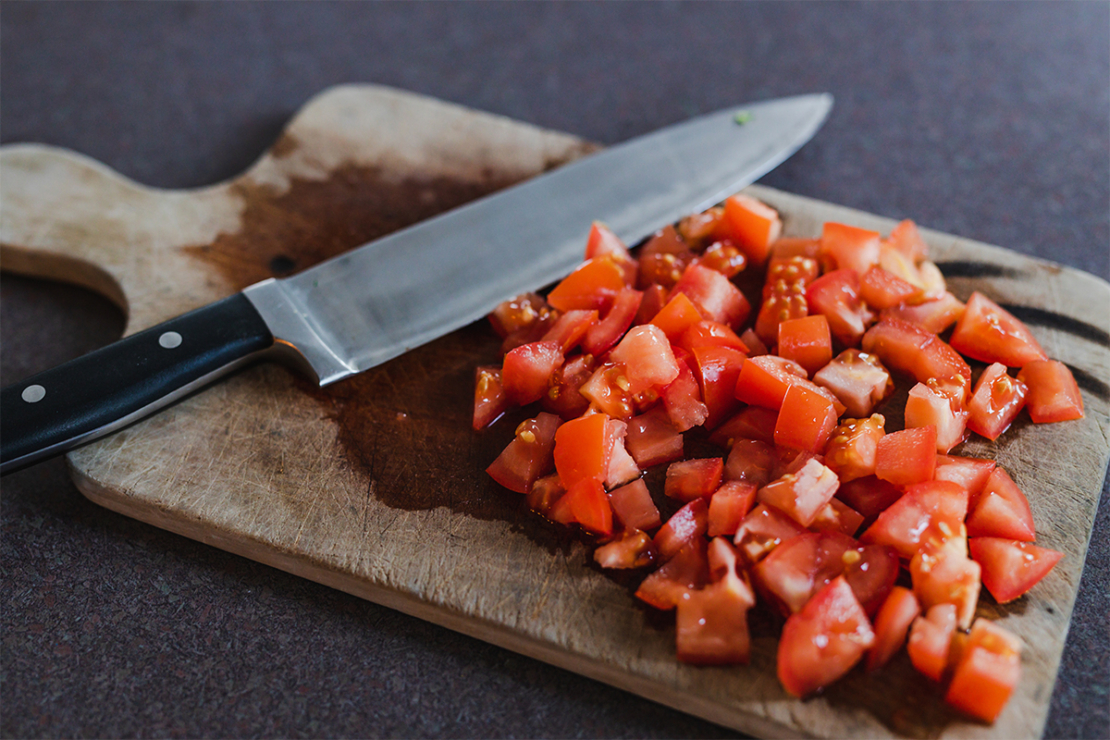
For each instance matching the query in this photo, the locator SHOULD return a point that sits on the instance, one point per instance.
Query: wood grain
(375, 485)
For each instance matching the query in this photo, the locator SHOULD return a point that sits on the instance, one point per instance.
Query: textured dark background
(991, 121)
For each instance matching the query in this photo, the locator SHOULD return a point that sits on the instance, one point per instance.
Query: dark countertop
(991, 121)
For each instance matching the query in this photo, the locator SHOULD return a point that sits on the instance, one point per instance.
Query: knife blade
(377, 301)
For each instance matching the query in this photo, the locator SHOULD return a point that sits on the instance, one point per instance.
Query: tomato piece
(632, 549)
(988, 333)
(586, 504)
(592, 286)
(682, 399)
(784, 294)
(710, 334)
(931, 639)
(545, 492)
(881, 289)
(837, 516)
(751, 461)
(607, 391)
(519, 314)
(853, 447)
(763, 380)
(968, 472)
(835, 295)
(564, 397)
(892, 625)
(582, 448)
(652, 439)
(698, 228)
(678, 315)
(908, 456)
(869, 496)
(803, 494)
(729, 505)
(718, 369)
(1000, 510)
(602, 242)
(753, 343)
(570, 328)
(634, 507)
(716, 296)
(942, 573)
(906, 238)
(622, 467)
(852, 248)
(762, 530)
(1010, 567)
(927, 406)
(792, 246)
(806, 341)
(603, 334)
(724, 257)
(663, 267)
(526, 371)
(908, 348)
(996, 402)
(711, 626)
(654, 298)
(528, 456)
(824, 640)
(930, 510)
(1052, 392)
(686, 525)
(751, 422)
(987, 671)
(934, 316)
(691, 479)
(687, 571)
(647, 356)
(806, 420)
(490, 399)
(754, 226)
(857, 379)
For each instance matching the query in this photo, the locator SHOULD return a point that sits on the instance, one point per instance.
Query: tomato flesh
(1053, 394)
(996, 402)
(987, 671)
(1000, 509)
(806, 341)
(988, 333)
(858, 379)
(1010, 567)
(892, 625)
(801, 495)
(930, 639)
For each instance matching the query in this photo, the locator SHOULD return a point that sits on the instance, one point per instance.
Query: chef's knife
(373, 303)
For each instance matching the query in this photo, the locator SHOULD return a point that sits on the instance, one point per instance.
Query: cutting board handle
(105, 390)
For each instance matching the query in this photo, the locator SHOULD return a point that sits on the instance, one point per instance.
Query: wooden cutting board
(375, 485)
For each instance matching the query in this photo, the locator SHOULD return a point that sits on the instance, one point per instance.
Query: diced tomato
(1053, 394)
(678, 315)
(655, 297)
(806, 341)
(824, 640)
(934, 316)
(835, 295)
(753, 343)
(881, 289)
(754, 226)
(710, 334)
(582, 449)
(724, 257)
(686, 525)
(751, 461)
(908, 348)
(687, 571)
(691, 479)
(996, 402)
(792, 246)
(803, 494)
(718, 369)
(987, 671)
(853, 446)
(652, 439)
(907, 457)
(968, 472)
(605, 333)
(930, 640)
(907, 239)
(892, 624)
(934, 509)
(607, 390)
(869, 496)
(858, 379)
(603, 242)
(711, 625)
(544, 493)
(585, 503)
(490, 399)
(942, 573)
(714, 294)
(762, 530)
(988, 333)
(1000, 510)
(850, 247)
(622, 467)
(1010, 567)
(528, 456)
(527, 370)
(837, 516)
(784, 294)
(563, 397)
(664, 258)
(682, 399)
(646, 354)
(592, 285)
(570, 328)
(698, 228)
(519, 314)
(806, 419)
(763, 380)
(729, 505)
(926, 406)
(632, 549)
(751, 422)
(633, 506)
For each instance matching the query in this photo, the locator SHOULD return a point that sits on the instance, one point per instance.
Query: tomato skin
(581, 449)
(710, 334)
(806, 341)
(881, 289)
(836, 296)
(728, 506)
(801, 495)
(585, 503)
(931, 639)
(753, 225)
(927, 406)
(908, 456)
(851, 247)
(858, 379)
(528, 456)
(591, 286)
(806, 420)
(692, 479)
(908, 348)
(687, 570)
(988, 333)
(676, 316)
(527, 370)
(714, 294)
(824, 640)
(1053, 394)
(763, 382)
(996, 402)
(652, 439)
(933, 316)
(603, 334)
(969, 472)
(686, 525)
(924, 511)
(718, 369)
(490, 399)
(852, 450)
(633, 506)
(1000, 509)
(762, 530)
(892, 625)
(987, 671)
(1010, 567)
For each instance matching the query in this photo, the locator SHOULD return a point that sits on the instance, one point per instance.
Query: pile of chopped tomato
(864, 539)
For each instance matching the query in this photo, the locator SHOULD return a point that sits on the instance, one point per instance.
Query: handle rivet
(169, 340)
(33, 393)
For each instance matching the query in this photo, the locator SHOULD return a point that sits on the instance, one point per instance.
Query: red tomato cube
(806, 341)
(526, 371)
(1011, 568)
(988, 333)
(1053, 394)
(754, 226)
(987, 672)
(930, 639)
(691, 479)
(806, 420)
(858, 379)
(528, 456)
(1000, 509)
(908, 456)
(729, 505)
(647, 357)
(803, 494)
(926, 406)
(762, 530)
(634, 507)
(996, 402)
(582, 449)
(892, 625)
(852, 248)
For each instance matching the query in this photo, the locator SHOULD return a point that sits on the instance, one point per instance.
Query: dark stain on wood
(975, 269)
(1053, 320)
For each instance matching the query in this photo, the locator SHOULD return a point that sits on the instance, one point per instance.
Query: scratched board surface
(375, 485)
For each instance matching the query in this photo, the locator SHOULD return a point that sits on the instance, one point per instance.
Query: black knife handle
(102, 391)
